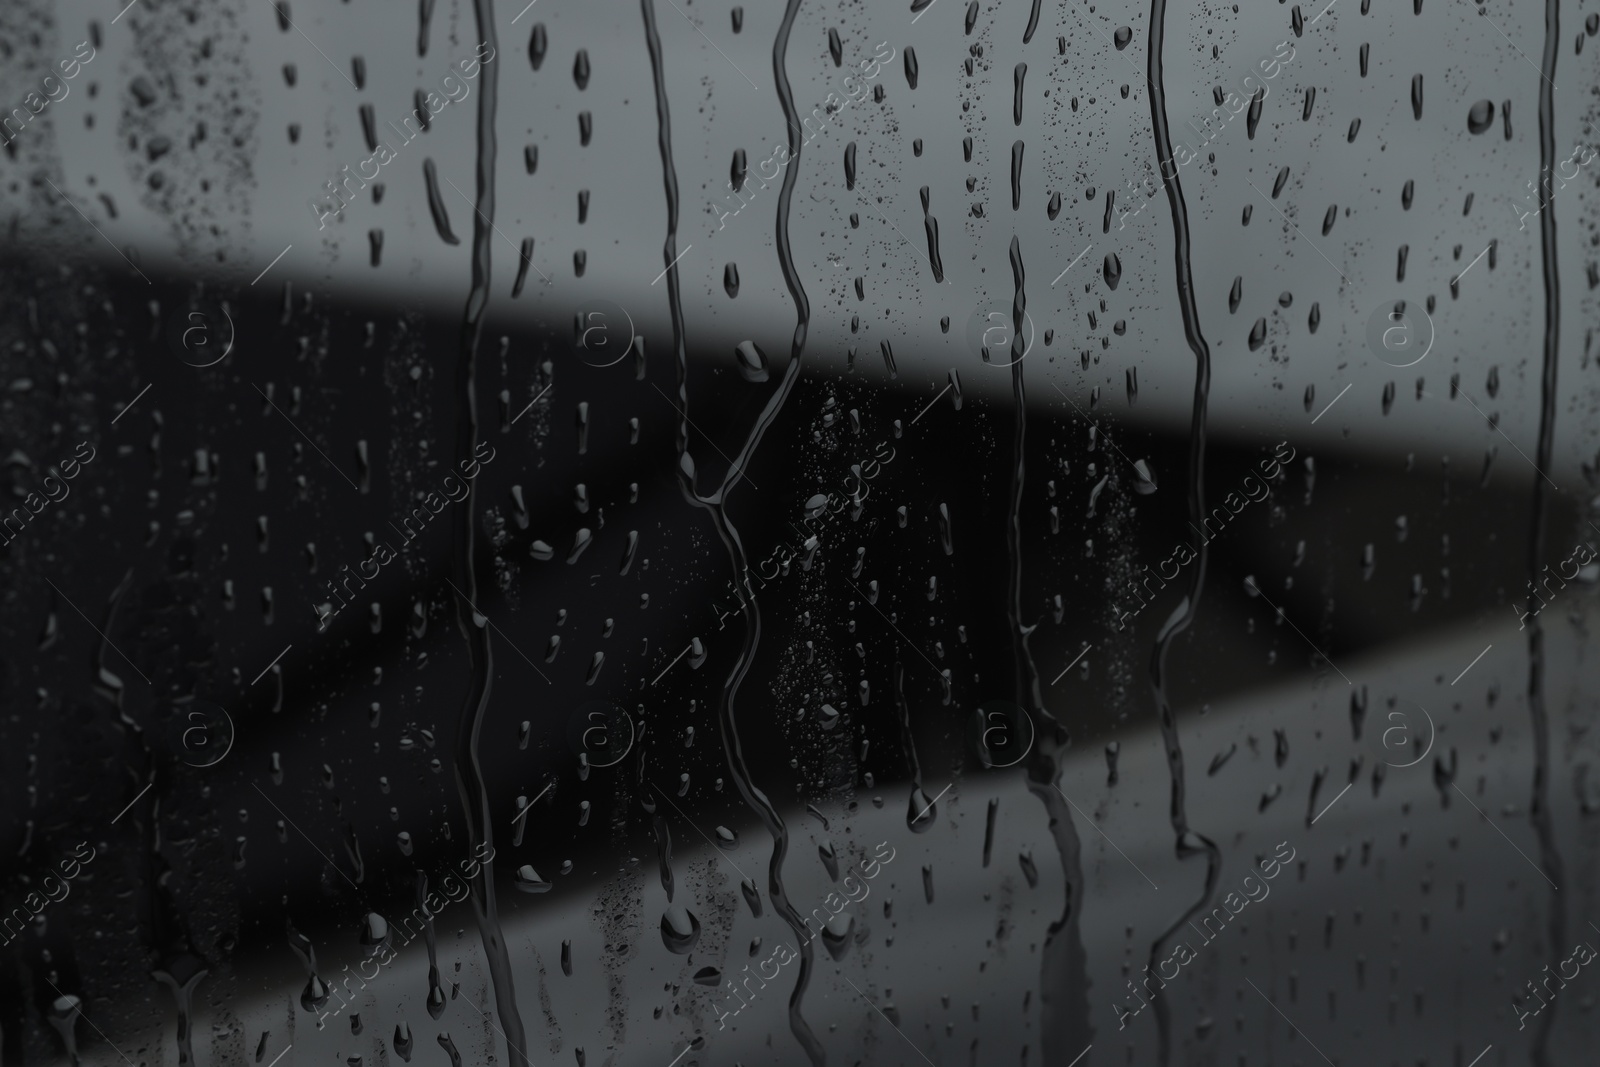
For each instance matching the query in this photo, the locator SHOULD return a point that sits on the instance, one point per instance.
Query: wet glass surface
(522, 547)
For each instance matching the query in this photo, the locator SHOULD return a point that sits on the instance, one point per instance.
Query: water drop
(830, 859)
(836, 934)
(752, 362)
(1481, 116)
(680, 930)
(921, 811)
(436, 206)
(1112, 270)
(1147, 481)
(538, 44)
(527, 880)
(752, 897)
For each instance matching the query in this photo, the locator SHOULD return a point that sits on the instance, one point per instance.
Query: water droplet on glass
(752, 361)
(528, 881)
(1481, 116)
(680, 930)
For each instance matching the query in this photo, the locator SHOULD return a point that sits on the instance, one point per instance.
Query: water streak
(1184, 614)
(1064, 965)
(1539, 807)
(920, 811)
(475, 802)
(435, 999)
(714, 503)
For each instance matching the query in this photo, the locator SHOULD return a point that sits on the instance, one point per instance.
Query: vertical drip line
(469, 724)
(791, 277)
(903, 712)
(1064, 965)
(714, 504)
(1033, 23)
(1188, 842)
(1539, 808)
(669, 248)
(1027, 671)
(183, 996)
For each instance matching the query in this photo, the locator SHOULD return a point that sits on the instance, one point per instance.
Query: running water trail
(920, 811)
(1063, 965)
(424, 17)
(714, 504)
(1539, 808)
(1033, 23)
(182, 987)
(435, 1000)
(1184, 614)
(469, 725)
